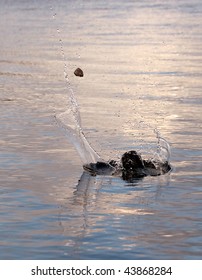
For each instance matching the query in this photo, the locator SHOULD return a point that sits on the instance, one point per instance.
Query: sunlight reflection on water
(142, 71)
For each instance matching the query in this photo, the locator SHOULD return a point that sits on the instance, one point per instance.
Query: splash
(147, 139)
(70, 120)
(163, 147)
(75, 135)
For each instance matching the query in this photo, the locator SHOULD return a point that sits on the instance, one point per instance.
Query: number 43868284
(148, 270)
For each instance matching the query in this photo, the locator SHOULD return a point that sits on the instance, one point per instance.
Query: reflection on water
(142, 65)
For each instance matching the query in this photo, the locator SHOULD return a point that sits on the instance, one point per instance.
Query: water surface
(142, 73)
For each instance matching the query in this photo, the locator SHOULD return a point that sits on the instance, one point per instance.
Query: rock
(78, 72)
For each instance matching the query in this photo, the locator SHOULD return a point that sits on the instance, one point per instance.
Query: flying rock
(78, 72)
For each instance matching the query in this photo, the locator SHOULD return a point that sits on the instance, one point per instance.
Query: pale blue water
(142, 71)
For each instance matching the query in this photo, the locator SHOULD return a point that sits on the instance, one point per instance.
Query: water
(142, 77)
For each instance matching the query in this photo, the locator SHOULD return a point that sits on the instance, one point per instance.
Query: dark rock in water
(136, 167)
(132, 160)
(132, 166)
(78, 72)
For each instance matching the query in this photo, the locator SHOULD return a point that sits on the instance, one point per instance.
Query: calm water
(142, 63)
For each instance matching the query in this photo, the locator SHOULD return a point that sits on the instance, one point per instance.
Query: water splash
(75, 135)
(148, 140)
(163, 147)
(70, 120)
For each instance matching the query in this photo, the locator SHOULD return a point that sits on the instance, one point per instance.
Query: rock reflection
(98, 200)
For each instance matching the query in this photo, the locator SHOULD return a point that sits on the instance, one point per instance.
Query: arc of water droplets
(73, 102)
(163, 147)
(74, 133)
(72, 98)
